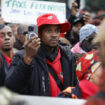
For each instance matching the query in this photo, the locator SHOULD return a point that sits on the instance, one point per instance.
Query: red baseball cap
(51, 19)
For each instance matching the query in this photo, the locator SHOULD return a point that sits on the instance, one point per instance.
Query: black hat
(79, 20)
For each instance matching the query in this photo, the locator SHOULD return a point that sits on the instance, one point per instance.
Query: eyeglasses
(24, 33)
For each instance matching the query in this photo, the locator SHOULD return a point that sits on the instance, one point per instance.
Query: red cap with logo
(51, 19)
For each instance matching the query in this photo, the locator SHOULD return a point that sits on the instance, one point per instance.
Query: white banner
(36, 100)
(26, 12)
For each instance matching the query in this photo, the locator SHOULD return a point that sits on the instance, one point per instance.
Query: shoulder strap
(58, 81)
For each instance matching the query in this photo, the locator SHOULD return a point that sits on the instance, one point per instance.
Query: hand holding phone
(31, 47)
(78, 3)
(31, 34)
(74, 8)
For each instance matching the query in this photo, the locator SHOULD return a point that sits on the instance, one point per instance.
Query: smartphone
(31, 32)
(78, 2)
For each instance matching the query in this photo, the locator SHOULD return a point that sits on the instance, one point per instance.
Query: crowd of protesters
(62, 60)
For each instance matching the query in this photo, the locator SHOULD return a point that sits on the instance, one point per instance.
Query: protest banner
(25, 11)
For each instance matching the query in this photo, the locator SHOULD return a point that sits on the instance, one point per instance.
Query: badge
(61, 74)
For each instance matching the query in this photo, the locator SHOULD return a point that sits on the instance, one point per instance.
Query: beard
(49, 45)
(6, 49)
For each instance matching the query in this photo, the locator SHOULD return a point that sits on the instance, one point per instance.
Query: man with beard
(22, 30)
(74, 37)
(45, 66)
(6, 50)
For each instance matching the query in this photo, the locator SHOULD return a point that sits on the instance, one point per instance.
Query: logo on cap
(50, 17)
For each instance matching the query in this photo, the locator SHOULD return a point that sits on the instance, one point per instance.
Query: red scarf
(87, 89)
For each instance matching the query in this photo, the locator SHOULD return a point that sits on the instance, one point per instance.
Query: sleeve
(2, 72)
(18, 75)
(74, 77)
(71, 21)
(2, 76)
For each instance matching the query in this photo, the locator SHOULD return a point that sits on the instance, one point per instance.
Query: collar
(43, 53)
(56, 59)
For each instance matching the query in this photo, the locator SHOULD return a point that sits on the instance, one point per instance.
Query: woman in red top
(88, 72)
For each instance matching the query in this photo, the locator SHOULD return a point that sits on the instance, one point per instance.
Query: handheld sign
(26, 12)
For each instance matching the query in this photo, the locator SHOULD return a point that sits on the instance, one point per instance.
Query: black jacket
(3, 69)
(71, 21)
(33, 79)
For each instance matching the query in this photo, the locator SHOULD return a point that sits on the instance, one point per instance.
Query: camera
(78, 2)
(79, 19)
(31, 32)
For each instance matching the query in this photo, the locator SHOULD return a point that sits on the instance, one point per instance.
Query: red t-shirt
(56, 65)
(8, 59)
